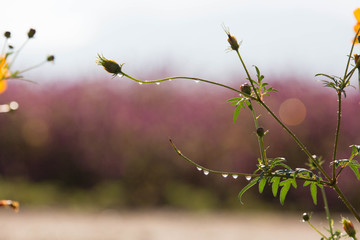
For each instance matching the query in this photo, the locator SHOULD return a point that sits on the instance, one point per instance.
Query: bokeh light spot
(292, 111)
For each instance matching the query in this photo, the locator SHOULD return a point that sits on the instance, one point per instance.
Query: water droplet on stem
(235, 176)
(206, 172)
(225, 175)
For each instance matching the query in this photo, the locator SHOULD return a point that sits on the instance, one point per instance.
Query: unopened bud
(357, 57)
(260, 132)
(7, 34)
(348, 227)
(306, 217)
(233, 42)
(50, 58)
(31, 33)
(109, 65)
(245, 88)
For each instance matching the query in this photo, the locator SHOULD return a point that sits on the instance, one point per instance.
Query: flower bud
(109, 65)
(233, 42)
(357, 57)
(7, 34)
(245, 88)
(50, 58)
(348, 227)
(306, 217)
(31, 33)
(260, 132)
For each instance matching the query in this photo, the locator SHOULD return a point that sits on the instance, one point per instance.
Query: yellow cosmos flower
(357, 26)
(4, 73)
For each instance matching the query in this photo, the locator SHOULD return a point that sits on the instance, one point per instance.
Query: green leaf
(355, 149)
(284, 190)
(236, 112)
(247, 187)
(275, 185)
(234, 99)
(354, 165)
(262, 185)
(313, 191)
(306, 183)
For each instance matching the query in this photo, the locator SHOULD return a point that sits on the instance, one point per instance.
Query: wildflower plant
(276, 171)
(8, 56)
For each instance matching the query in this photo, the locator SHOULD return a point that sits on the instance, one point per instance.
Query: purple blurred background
(82, 134)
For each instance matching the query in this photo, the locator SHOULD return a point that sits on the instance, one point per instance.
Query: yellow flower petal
(357, 14)
(3, 86)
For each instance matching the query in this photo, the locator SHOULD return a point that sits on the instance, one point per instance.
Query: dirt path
(53, 225)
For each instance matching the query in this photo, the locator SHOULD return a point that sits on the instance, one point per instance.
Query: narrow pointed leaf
(275, 185)
(247, 187)
(313, 191)
(262, 185)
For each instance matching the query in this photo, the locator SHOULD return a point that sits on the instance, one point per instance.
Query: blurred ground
(152, 225)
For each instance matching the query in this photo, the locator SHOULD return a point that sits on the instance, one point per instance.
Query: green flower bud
(348, 227)
(50, 58)
(7, 34)
(306, 217)
(260, 132)
(31, 33)
(246, 88)
(109, 65)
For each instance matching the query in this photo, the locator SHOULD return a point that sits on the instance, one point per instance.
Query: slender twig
(327, 211)
(260, 138)
(225, 173)
(336, 136)
(312, 226)
(346, 202)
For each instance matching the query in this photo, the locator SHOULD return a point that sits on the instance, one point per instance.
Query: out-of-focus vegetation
(102, 144)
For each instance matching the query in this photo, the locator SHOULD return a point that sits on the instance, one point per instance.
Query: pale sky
(303, 37)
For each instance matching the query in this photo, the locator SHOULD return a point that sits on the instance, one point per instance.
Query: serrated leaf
(313, 191)
(262, 185)
(247, 187)
(275, 185)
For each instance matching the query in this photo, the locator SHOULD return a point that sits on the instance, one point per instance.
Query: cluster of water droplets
(224, 175)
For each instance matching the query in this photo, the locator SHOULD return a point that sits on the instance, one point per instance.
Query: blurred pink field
(152, 225)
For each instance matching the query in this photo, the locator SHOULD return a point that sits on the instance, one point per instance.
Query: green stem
(200, 167)
(337, 135)
(346, 202)
(350, 54)
(248, 75)
(260, 138)
(327, 211)
(312, 226)
(301, 145)
(178, 77)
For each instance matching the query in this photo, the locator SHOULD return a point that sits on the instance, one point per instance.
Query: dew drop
(248, 178)
(199, 168)
(235, 176)
(206, 172)
(157, 83)
(196, 81)
(225, 175)
(140, 83)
